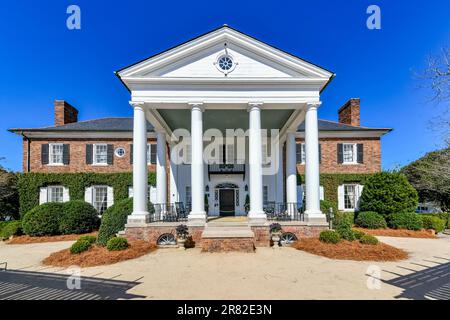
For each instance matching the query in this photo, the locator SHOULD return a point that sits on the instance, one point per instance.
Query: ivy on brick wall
(29, 185)
(331, 181)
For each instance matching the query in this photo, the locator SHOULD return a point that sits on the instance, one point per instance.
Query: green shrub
(114, 220)
(405, 220)
(435, 223)
(117, 244)
(329, 236)
(78, 217)
(10, 228)
(370, 220)
(80, 246)
(388, 193)
(343, 224)
(90, 239)
(325, 206)
(343, 218)
(42, 220)
(346, 233)
(368, 239)
(358, 234)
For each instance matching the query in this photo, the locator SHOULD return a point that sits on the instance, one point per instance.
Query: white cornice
(81, 135)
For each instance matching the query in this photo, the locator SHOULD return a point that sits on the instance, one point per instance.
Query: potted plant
(182, 234)
(247, 204)
(275, 232)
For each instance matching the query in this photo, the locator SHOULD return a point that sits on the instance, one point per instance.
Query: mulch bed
(97, 255)
(66, 237)
(426, 234)
(354, 250)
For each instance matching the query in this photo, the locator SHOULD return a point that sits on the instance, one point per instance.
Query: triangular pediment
(200, 57)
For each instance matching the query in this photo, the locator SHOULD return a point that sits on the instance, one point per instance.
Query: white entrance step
(227, 230)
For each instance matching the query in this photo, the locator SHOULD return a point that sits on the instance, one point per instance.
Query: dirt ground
(283, 273)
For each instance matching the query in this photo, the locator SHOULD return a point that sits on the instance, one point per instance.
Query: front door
(226, 202)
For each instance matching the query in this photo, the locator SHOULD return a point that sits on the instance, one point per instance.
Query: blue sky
(42, 60)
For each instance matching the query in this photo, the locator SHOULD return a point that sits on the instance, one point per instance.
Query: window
(100, 198)
(265, 195)
(120, 152)
(56, 153)
(188, 195)
(55, 194)
(100, 154)
(301, 155)
(349, 153)
(349, 197)
(149, 193)
(151, 153)
(225, 62)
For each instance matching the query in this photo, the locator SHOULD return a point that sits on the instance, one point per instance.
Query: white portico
(226, 80)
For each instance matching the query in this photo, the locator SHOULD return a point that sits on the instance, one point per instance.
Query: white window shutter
(153, 194)
(322, 194)
(130, 192)
(300, 195)
(88, 195)
(341, 197)
(43, 195)
(66, 194)
(110, 196)
(359, 190)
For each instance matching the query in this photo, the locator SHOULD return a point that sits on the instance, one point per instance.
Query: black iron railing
(290, 211)
(175, 212)
(226, 168)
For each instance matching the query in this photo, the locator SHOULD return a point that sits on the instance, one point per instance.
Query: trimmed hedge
(434, 223)
(90, 239)
(30, 183)
(10, 228)
(43, 220)
(406, 220)
(358, 234)
(388, 193)
(368, 239)
(371, 220)
(80, 246)
(329, 236)
(114, 220)
(117, 244)
(78, 217)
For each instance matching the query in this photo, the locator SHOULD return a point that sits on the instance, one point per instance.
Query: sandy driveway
(267, 274)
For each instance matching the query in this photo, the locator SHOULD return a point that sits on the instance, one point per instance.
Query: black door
(226, 202)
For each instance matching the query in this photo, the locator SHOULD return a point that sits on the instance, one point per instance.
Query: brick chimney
(64, 113)
(349, 112)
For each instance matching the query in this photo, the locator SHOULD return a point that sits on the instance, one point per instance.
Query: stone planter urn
(276, 239)
(181, 243)
(182, 234)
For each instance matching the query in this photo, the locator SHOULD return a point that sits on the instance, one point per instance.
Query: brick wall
(349, 113)
(329, 163)
(65, 113)
(78, 156)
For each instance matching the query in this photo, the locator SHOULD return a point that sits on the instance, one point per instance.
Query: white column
(140, 169)
(161, 175)
(255, 161)
(280, 175)
(291, 172)
(312, 177)
(197, 174)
